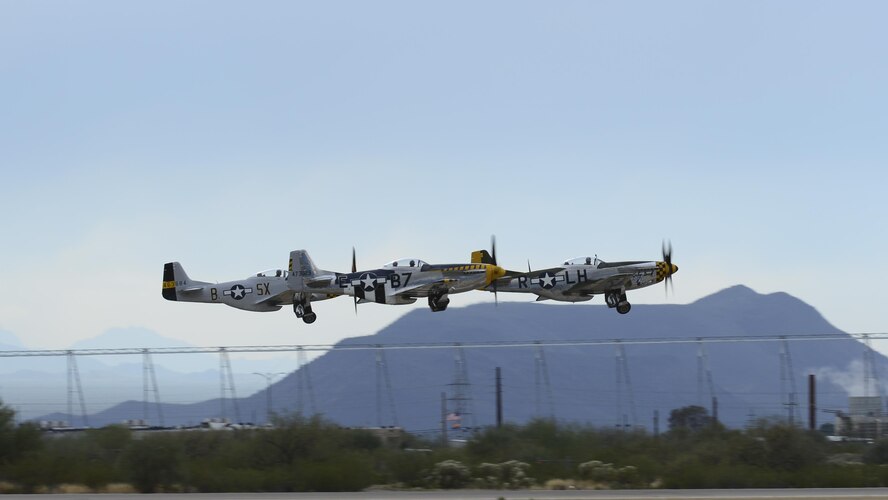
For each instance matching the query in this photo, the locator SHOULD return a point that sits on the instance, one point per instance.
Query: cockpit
(584, 261)
(405, 263)
(272, 273)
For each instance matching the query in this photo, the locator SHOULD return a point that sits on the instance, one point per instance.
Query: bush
(449, 474)
(155, 462)
(510, 475)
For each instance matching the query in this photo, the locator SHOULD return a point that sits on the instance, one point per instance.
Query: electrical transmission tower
(74, 386)
(226, 384)
(303, 384)
(382, 378)
(624, 384)
(149, 384)
(787, 374)
(704, 373)
(541, 382)
(462, 389)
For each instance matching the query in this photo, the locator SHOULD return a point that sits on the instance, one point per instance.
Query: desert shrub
(511, 474)
(449, 474)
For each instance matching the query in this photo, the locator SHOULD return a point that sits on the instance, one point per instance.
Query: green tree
(693, 418)
(16, 441)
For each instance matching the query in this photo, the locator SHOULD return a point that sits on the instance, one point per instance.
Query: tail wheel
(310, 317)
(623, 307)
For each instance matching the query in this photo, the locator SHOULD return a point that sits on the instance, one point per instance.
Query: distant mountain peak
(9, 339)
(733, 292)
(121, 337)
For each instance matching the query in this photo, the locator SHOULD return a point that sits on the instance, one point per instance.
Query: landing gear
(618, 300)
(303, 310)
(438, 302)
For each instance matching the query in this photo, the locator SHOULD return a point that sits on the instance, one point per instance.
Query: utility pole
(499, 398)
(656, 423)
(714, 410)
(444, 419)
(268, 376)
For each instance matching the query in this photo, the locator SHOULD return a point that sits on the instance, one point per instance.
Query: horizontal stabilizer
(319, 282)
(482, 257)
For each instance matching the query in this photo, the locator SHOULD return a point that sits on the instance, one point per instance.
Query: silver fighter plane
(401, 281)
(262, 292)
(580, 279)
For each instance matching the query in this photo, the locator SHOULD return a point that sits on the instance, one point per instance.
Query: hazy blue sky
(225, 134)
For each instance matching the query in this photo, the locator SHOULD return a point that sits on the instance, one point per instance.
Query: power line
(445, 345)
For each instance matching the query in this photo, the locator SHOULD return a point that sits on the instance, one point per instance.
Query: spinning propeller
(670, 267)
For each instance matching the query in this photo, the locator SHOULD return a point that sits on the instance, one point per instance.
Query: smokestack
(812, 402)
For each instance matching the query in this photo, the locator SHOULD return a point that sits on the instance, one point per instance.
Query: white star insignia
(547, 280)
(368, 282)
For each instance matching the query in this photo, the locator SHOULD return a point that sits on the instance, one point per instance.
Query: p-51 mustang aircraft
(398, 282)
(580, 279)
(262, 292)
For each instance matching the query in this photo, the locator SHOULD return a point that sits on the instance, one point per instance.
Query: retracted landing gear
(438, 301)
(303, 310)
(618, 300)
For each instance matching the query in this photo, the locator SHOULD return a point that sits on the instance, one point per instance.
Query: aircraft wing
(322, 281)
(424, 289)
(599, 286)
(284, 297)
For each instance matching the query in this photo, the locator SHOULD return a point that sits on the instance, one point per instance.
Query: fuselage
(579, 280)
(401, 281)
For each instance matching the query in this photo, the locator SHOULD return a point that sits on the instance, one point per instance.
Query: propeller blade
(667, 258)
(354, 261)
(667, 251)
(354, 270)
(493, 256)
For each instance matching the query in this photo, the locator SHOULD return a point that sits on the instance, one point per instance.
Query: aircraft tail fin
(174, 276)
(482, 257)
(302, 265)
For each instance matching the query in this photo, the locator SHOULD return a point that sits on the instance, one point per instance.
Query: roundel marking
(238, 292)
(547, 280)
(368, 282)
